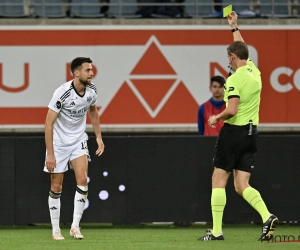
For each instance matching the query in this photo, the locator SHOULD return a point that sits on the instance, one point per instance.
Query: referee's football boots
(268, 228)
(209, 236)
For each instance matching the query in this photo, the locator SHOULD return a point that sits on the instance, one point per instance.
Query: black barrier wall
(146, 179)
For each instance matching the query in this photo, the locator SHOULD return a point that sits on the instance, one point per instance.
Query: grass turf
(144, 237)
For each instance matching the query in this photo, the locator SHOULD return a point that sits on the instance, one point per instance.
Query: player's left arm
(94, 117)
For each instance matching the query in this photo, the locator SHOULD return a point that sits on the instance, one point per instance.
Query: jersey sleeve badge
(58, 105)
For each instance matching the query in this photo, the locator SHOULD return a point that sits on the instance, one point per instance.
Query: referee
(236, 144)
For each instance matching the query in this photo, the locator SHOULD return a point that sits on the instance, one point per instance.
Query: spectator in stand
(218, 7)
(104, 9)
(161, 10)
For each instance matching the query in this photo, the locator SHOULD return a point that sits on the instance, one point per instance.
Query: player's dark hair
(240, 49)
(78, 61)
(218, 79)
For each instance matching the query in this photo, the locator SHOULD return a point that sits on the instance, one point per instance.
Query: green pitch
(144, 237)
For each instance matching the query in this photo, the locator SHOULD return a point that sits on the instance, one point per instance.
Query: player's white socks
(79, 202)
(54, 208)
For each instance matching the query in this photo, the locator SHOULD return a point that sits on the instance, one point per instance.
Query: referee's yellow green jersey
(245, 84)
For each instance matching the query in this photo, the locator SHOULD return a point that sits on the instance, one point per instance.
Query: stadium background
(151, 76)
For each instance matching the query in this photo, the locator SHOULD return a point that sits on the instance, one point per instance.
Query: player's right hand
(50, 163)
(101, 146)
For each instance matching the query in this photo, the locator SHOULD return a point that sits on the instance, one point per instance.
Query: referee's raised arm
(232, 20)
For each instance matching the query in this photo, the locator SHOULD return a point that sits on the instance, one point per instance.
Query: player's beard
(85, 82)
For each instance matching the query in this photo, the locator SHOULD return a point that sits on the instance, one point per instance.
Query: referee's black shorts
(235, 149)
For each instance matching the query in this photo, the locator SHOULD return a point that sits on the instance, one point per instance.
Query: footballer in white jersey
(66, 141)
(70, 124)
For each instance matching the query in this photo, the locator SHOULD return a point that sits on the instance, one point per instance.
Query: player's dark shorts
(235, 149)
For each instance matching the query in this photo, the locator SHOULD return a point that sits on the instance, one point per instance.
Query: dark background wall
(166, 178)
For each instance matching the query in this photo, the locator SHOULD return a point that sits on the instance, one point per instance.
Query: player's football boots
(57, 235)
(76, 234)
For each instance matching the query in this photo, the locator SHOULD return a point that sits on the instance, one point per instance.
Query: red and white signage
(145, 76)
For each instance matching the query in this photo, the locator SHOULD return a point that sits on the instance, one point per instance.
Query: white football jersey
(70, 124)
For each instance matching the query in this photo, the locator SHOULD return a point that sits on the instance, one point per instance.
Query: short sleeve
(232, 88)
(93, 88)
(94, 100)
(55, 104)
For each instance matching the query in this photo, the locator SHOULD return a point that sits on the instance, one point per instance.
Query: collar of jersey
(76, 90)
(241, 67)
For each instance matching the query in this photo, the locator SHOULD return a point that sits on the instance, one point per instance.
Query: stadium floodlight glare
(103, 195)
(122, 188)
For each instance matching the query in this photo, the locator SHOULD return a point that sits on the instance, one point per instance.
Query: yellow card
(227, 10)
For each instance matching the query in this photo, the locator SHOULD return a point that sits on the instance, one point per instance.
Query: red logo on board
(153, 94)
